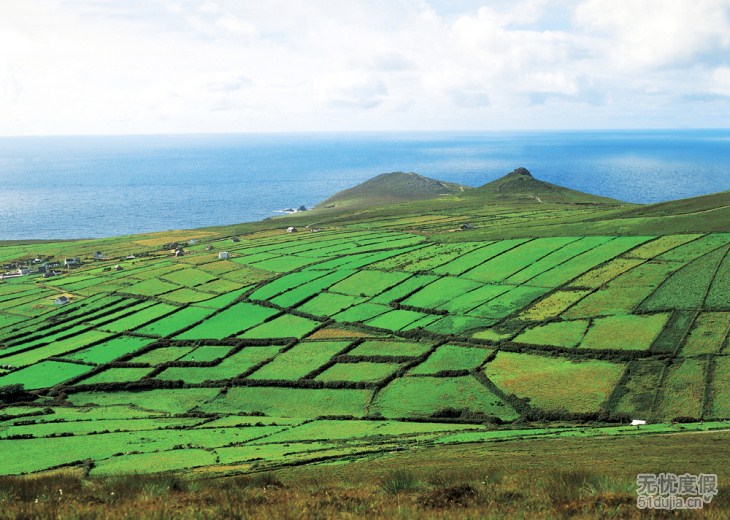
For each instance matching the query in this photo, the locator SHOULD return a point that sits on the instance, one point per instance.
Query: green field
(387, 329)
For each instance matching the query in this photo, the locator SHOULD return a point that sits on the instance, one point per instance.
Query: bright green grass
(556, 258)
(474, 258)
(297, 295)
(697, 248)
(362, 371)
(553, 305)
(140, 318)
(509, 302)
(220, 286)
(361, 312)
(436, 394)
(282, 264)
(331, 430)
(283, 284)
(584, 262)
(555, 383)
(440, 292)
(153, 287)
(179, 400)
(44, 374)
(189, 277)
(98, 425)
(207, 353)
(719, 295)
(291, 402)
(300, 360)
(395, 319)
(560, 334)
(229, 322)
(285, 326)
(625, 332)
(57, 348)
(660, 245)
(610, 301)
(603, 274)
(186, 295)
(223, 300)
(327, 304)
(117, 375)
(459, 324)
(176, 321)
(686, 289)
(110, 350)
(391, 348)
(369, 282)
(161, 355)
(230, 367)
(468, 301)
(154, 462)
(503, 266)
(452, 357)
(404, 288)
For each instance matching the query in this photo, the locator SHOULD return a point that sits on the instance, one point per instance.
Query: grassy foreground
(559, 478)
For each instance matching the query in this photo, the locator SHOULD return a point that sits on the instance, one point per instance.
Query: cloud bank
(156, 66)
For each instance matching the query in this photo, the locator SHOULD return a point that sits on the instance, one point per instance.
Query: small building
(61, 300)
(235, 239)
(98, 255)
(467, 226)
(223, 255)
(179, 251)
(72, 262)
(638, 422)
(117, 267)
(291, 229)
(209, 248)
(23, 271)
(130, 257)
(192, 242)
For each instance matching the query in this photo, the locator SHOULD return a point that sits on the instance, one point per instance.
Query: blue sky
(169, 66)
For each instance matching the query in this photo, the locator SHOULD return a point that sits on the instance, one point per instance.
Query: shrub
(398, 481)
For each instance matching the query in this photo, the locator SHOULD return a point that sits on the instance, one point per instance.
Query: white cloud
(353, 90)
(659, 33)
(125, 66)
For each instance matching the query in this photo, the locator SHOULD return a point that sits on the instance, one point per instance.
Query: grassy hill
(389, 188)
(475, 316)
(520, 185)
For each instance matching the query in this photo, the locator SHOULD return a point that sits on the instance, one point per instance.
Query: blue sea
(85, 187)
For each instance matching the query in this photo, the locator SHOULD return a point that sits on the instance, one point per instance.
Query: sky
(199, 66)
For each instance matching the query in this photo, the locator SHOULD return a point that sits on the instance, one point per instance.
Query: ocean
(87, 187)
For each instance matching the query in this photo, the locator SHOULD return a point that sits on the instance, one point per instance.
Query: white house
(61, 300)
(291, 229)
(638, 422)
(223, 255)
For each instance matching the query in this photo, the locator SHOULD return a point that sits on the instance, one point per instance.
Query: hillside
(520, 185)
(248, 347)
(389, 188)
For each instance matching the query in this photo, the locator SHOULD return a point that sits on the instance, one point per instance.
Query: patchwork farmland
(346, 342)
(373, 329)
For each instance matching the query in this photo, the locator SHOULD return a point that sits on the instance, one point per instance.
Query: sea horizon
(63, 187)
